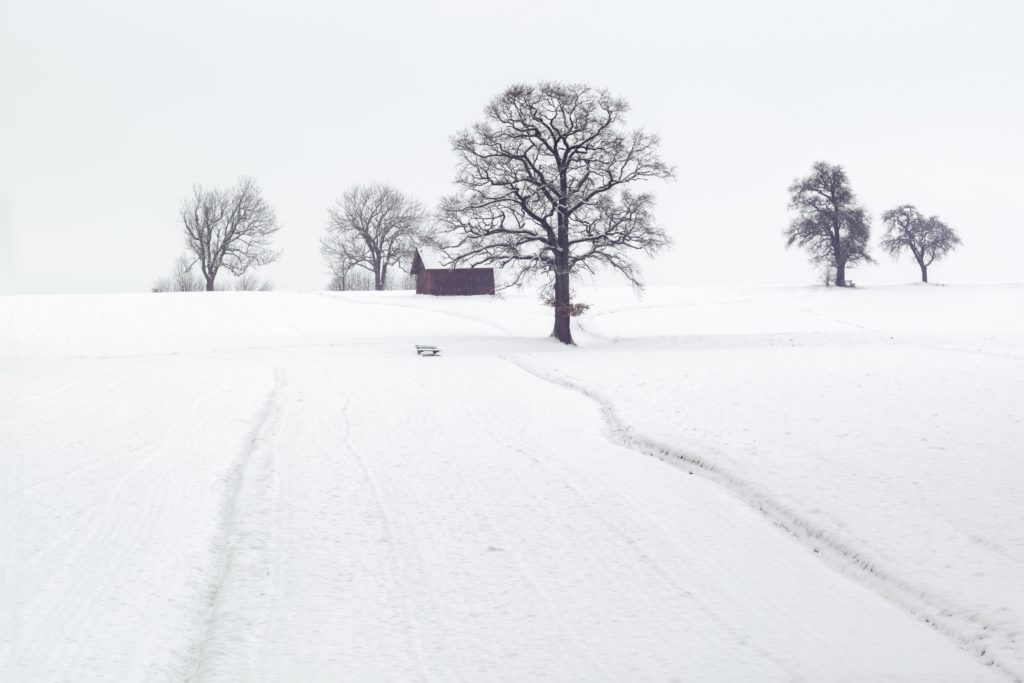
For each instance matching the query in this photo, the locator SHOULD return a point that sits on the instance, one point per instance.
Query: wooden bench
(427, 350)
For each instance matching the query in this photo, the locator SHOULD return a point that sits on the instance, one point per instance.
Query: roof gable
(417, 263)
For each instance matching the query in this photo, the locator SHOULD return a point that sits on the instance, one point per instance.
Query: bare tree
(828, 274)
(182, 278)
(229, 229)
(404, 281)
(362, 281)
(373, 227)
(336, 284)
(359, 281)
(927, 239)
(162, 286)
(833, 228)
(342, 252)
(543, 190)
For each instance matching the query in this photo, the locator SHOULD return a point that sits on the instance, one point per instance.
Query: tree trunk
(924, 272)
(563, 304)
(837, 244)
(563, 294)
(840, 275)
(209, 284)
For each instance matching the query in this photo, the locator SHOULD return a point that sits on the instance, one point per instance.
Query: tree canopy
(830, 224)
(229, 229)
(927, 239)
(373, 227)
(545, 189)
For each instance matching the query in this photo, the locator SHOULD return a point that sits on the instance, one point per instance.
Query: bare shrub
(182, 279)
(250, 283)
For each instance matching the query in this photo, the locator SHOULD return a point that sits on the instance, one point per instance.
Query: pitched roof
(417, 263)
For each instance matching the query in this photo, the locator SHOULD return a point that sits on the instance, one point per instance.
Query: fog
(112, 110)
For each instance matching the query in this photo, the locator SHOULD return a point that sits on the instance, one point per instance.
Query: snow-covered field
(788, 484)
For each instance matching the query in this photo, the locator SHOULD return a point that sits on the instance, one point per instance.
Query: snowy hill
(717, 484)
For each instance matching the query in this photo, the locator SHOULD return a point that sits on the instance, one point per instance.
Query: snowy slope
(885, 424)
(274, 487)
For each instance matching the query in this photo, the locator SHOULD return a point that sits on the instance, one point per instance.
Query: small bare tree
(358, 281)
(229, 229)
(928, 239)
(250, 283)
(543, 186)
(362, 281)
(342, 252)
(373, 227)
(336, 284)
(182, 278)
(830, 224)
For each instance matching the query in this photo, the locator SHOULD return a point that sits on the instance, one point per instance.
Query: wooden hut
(451, 281)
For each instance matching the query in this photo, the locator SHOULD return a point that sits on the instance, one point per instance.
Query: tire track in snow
(394, 569)
(947, 618)
(568, 630)
(226, 542)
(60, 551)
(617, 531)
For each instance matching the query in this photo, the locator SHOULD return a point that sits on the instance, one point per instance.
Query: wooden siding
(455, 282)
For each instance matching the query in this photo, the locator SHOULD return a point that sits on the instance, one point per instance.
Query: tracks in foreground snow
(236, 542)
(968, 630)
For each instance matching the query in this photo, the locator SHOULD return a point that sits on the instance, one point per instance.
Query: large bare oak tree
(373, 227)
(544, 190)
(830, 224)
(928, 239)
(229, 229)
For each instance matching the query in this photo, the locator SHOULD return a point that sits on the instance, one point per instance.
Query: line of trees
(836, 230)
(362, 281)
(371, 231)
(546, 188)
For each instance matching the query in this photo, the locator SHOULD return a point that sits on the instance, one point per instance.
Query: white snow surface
(716, 484)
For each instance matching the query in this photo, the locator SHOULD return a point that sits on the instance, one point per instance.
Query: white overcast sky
(111, 110)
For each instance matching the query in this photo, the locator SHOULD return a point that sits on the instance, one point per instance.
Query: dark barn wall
(456, 282)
